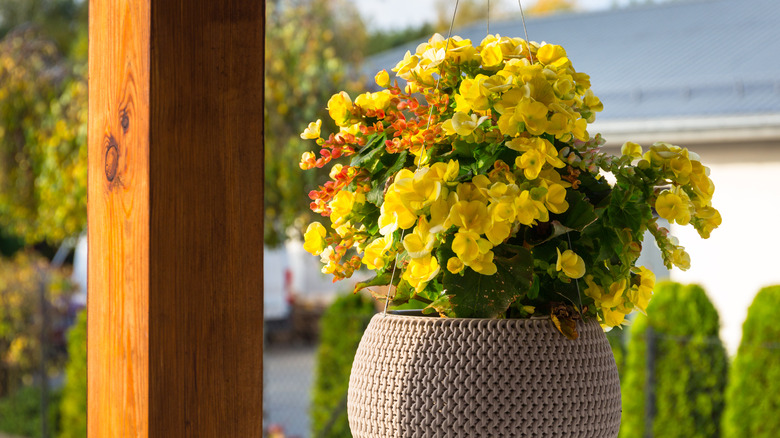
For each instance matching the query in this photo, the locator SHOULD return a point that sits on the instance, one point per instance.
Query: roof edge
(708, 129)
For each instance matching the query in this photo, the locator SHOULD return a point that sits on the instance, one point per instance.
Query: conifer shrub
(753, 393)
(684, 395)
(341, 328)
(73, 407)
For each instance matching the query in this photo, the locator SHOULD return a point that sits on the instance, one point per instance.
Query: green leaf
(579, 215)
(381, 279)
(474, 295)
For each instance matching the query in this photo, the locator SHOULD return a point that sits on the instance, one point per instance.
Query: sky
(393, 14)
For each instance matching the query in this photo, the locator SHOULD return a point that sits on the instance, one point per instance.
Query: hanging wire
(527, 41)
(430, 114)
(576, 281)
(392, 276)
(488, 18)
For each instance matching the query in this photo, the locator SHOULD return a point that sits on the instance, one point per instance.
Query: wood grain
(175, 218)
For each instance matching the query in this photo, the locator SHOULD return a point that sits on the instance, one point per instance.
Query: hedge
(753, 394)
(73, 407)
(689, 372)
(341, 328)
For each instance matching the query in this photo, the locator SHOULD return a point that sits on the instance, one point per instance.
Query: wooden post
(175, 218)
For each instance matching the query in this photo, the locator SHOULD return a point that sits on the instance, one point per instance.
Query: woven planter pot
(438, 377)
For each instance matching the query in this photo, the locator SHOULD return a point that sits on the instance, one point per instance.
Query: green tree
(43, 150)
(689, 371)
(73, 407)
(753, 394)
(309, 46)
(342, 326)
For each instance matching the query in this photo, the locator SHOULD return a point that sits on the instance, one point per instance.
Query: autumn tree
(548, 7)
(43, 155)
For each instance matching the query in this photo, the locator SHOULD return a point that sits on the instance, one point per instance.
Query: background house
(704, 74)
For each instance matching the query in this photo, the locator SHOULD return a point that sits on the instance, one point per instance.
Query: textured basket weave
(439, 377)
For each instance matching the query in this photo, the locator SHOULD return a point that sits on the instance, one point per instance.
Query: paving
(288, 379)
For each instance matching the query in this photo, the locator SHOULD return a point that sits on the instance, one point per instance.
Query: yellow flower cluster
(537, 92)
(494, 165)
(619, 298)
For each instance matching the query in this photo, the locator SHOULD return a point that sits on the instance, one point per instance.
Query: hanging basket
(450, 377)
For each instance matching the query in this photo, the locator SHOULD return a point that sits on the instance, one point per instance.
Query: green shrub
(341, 328)
(616, 338)
(73, 407)
(689, 371)
(20, 412)
(753, 394)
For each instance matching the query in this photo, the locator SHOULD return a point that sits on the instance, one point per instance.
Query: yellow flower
(531, 162)
(680, 258)
(640, 294)
(555, 200)
(483, 264)
(613, 317)
(533, 114)
(465, 245)
(374, 101)
(420, 242)
(394, 214)
(462, 124)
(492, 56)
(341, 206)
(570, 263)
(312, 132)
(377, 252)
(708, 218)
(445, 171)
(470, 215)
(339, 107)
(673, 207)
(417, 190)
(420, 271)
(314, 238)
(455, 265)
(308, 160)
(631, 149)
(382, 79)
(528, 209)
(550, 53)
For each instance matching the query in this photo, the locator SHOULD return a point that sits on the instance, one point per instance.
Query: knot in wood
(112, 158)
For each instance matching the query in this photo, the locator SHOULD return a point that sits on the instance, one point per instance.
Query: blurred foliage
(43, 150)
(753, 394)
(690, 366)
(64, 21)
(469, 11)
(548, 7)
(341, 327)
(381, 40)
(20, 413)
(309, 46)
(617, 343)
(73, 407)
(21, 279)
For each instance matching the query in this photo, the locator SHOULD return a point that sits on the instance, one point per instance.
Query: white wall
(743, 255)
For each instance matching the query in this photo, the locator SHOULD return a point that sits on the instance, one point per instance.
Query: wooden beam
(175, 218)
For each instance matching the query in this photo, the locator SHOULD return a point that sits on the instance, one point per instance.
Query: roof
(688, 60)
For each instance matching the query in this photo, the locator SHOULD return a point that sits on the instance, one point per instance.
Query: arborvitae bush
(73, 408)
(341, 328)
(616, 338)
(690, 366)
(753, 394)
